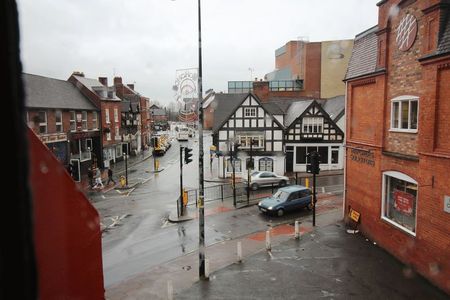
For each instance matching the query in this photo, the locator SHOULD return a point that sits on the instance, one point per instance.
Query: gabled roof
(335, 107)
(295, 110)
(45, 92)
(364, 54)
(226, 105)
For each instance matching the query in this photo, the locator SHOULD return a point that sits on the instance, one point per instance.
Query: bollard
(239, 251)
(297, 230)
(268, 246)
(169, 290)
(206, 268)
(307, 182)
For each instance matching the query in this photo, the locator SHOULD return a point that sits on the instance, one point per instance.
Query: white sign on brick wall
(447, 204)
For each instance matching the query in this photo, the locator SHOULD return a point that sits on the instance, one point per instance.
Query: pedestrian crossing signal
(187, 155)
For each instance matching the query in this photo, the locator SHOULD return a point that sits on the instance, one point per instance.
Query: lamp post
(201, 222)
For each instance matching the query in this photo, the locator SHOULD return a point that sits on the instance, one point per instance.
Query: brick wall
(407, 74)
(111, 105)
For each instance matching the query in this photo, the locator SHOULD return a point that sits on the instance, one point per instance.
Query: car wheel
(280, 212)
(254, 186)
(282, 183)
(310, 206)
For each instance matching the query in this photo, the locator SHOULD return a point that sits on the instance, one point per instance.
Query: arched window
(400, 201)
(266, 164)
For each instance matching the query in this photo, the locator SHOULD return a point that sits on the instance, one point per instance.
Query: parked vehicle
(289, 198)
(265, 178)
(160, 143)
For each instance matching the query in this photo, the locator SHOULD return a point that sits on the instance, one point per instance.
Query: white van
(183, 134)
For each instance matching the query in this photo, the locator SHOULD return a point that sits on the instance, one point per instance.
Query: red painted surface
(66, 231)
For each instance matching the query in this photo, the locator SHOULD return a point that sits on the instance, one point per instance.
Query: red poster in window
(403, 202)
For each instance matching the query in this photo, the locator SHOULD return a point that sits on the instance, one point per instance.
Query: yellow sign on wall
(354, 215)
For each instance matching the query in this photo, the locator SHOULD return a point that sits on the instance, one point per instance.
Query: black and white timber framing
(314, 130)
(250, 120)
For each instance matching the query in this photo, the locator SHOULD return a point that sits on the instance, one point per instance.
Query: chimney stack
(117, 80)
(103, 80)
(78, 73)
(131, 86)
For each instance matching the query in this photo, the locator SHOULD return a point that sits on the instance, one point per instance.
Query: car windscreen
(254, 173)
(281, 195)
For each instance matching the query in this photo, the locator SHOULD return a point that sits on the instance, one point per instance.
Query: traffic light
(314, 162)
(235, 149)
(187, 155)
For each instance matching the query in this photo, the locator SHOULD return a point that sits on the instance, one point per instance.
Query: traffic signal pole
(181, 182)
(314, 199)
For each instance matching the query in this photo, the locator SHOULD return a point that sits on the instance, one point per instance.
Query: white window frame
(315, 122)
(108, 136)
(402, 100)
(94, 120)
(247, 138)
(250, 112)
(73, 121)
(84, 122)
(403, 177)
(116, 115)
(60, 123)
(107, 120)
(43, 123)
(117, 132)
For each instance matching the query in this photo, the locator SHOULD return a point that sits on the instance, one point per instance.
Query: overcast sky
(146, 41)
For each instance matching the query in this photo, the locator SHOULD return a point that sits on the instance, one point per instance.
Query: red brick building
(65, 121)
(105, 99)
(398, 119)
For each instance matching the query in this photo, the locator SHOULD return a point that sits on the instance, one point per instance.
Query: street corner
(174, 218)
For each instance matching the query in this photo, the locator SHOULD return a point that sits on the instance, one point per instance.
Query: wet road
(142, 237)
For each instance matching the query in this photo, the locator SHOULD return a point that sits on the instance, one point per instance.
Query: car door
(264, 179)
(291, 202)
(304, 198)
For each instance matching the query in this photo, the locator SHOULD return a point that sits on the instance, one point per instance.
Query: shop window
(266, 164)
(334, 155)
(404, 113)
(300, 155)
(400, 201)
(323, 152)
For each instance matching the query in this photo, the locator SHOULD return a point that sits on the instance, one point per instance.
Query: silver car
(265, 178)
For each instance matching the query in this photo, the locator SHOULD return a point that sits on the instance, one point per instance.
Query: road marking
(130, 191)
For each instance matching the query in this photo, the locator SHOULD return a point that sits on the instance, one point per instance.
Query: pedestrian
(90, 174)
(98, 179)
(110, 177)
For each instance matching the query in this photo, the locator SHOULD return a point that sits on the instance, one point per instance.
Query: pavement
(327, 262)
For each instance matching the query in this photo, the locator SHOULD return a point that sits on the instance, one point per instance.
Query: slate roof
(125, 106)
(226, 104)
(45, 92)
(364, 54)
(334, 107)
(444, 39)
(295, 110)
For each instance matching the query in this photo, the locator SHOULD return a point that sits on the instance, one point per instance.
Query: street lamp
(201, 189)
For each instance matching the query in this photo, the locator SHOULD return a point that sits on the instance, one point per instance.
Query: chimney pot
(117, 80)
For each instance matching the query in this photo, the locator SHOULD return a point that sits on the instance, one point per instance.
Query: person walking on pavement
(90, 174)
(98, 179)
(110, 177)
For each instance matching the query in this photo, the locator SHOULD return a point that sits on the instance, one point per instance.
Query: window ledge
(403, 130)
(398, 226)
